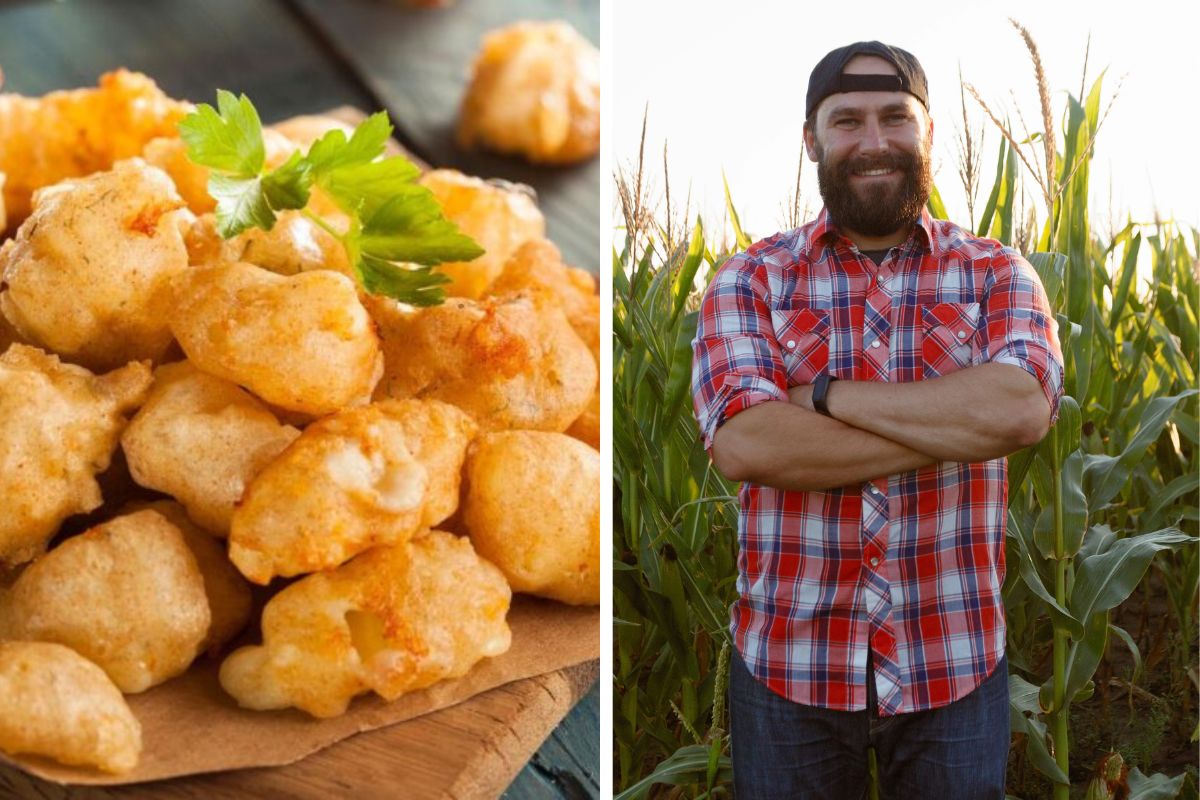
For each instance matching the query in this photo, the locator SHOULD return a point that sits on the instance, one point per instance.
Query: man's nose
(873, 139)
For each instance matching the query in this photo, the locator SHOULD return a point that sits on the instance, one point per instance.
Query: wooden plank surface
(465, 752)
(293, 57)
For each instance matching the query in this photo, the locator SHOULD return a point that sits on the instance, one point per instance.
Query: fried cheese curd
(59, 704)
(353, 480)
(511, 362)
(499, 216)
(395, 619)
(126, 594)
(302, 342)
(59, 426)
(201, 439)
(69, 134)
(229, 599)
(537, 264)
(89, 273)
(545, 542)
(534, 92)
(296, 244)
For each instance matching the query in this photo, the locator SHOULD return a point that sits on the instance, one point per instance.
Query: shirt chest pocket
(804, 342)
(948, 337)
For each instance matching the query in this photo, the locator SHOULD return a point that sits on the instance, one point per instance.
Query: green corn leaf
(1153, 787)
(1067, 429)
(1050, 268)
(1075, 504)
(1084, 655)
(1107, 474)
(1033, 579)
(1038, 752)
(679, 379)
(937, 209)
(685, 279)
(743, 241)
(687, 765)
(989, 209)
(1161, 501)
(1022, 699)
(1128, 272)
(1104, 580)
(1131, 646)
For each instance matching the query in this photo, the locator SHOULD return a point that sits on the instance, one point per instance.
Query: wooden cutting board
(470, 751)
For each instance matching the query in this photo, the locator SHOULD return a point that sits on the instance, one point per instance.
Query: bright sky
(725, 86)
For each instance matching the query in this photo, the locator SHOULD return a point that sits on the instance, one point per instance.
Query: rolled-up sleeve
(1020, 328)
(736, 362)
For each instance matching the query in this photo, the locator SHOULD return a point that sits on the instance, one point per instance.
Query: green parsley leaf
(363, 188)
(410, 227)
(227, 141)
(288, 185)
(412, 284)
(332, 151)
(392, 217)
(241, 204)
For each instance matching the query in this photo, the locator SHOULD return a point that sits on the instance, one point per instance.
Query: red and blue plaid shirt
(909, 565)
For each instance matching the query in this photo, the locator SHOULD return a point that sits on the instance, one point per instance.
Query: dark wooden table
(303, 56)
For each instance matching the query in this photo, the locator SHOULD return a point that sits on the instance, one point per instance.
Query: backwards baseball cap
(827, 77)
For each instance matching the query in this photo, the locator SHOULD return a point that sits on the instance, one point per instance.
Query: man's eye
(845, 123)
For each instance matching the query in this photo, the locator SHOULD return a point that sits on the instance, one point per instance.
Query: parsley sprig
(392, 217)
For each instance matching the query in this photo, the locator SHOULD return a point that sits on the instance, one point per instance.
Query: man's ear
(810, 143)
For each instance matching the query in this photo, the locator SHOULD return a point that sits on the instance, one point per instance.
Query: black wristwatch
(820, 395)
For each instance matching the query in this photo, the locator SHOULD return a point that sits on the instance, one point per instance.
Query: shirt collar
(824, 232)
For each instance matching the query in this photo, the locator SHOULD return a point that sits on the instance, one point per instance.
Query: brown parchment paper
(190, 726)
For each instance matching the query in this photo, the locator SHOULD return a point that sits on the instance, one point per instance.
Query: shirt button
(962, 334)
(882, 281)
(875, 344)
(874, 562)
(791, 344)
(874, 489)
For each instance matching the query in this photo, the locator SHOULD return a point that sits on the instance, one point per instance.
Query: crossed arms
(879, 429)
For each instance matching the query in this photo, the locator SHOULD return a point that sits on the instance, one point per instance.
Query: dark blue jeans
(788, 751)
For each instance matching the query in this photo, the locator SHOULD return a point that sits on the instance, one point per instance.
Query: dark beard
(881, 211)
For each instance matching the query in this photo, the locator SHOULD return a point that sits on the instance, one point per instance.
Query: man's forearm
(787, 447)
(975, 414)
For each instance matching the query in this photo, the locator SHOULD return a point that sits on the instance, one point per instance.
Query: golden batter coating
(303, 342)
(126, 594)
(396, 619)
(295, 244)
(69, 134)
(534, 92)
(545, 540)
(353, 480)
(59, 704)
(89, 273)
(201, 439)
(228, 593)
(59, 426)
(511, 362)
(499, 216)
(538, 265)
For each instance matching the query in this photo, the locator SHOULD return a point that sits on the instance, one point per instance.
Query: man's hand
(802, 396)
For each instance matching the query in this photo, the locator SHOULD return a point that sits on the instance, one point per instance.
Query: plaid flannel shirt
(910, 565)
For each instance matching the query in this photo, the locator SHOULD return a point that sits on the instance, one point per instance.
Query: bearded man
(864, 377)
